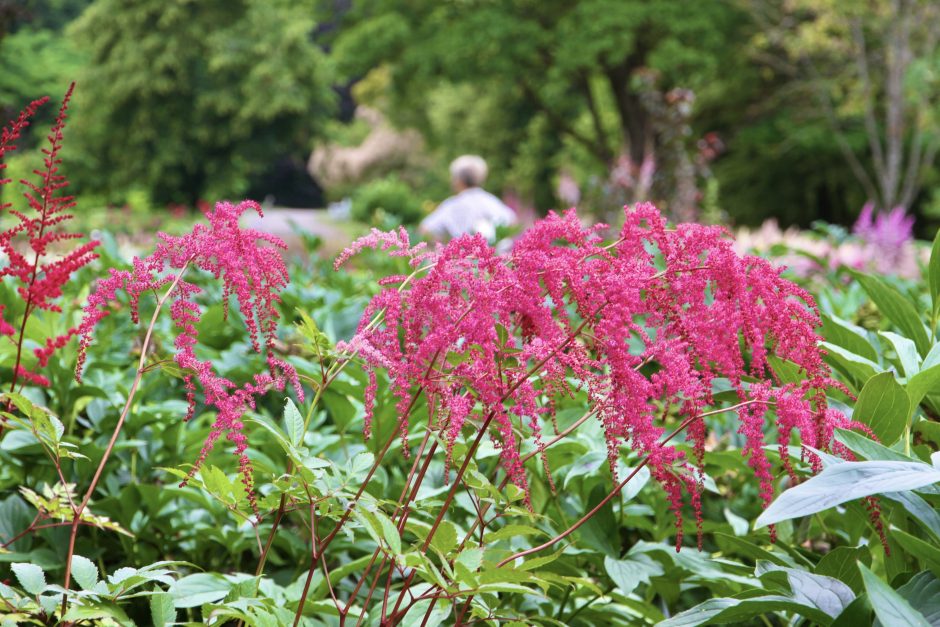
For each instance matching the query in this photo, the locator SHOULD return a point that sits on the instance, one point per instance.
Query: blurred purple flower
(886, 234)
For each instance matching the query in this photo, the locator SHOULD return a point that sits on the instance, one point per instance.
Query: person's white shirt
(473, 210)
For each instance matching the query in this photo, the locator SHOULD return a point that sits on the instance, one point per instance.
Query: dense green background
(179, 101)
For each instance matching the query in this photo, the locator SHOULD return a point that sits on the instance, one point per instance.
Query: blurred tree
(37, 60)
(872, 67)
(189, 100)
(579, 71)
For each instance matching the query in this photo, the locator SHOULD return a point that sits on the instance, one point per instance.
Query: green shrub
(387, 202)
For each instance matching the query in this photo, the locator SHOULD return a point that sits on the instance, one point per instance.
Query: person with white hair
(472, 209)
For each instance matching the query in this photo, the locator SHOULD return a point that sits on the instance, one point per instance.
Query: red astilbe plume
(250, 267)
(646, 326)
(32, 246)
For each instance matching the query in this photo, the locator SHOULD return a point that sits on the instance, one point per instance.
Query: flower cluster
(250, 267)
(648, 326)
(39, 272)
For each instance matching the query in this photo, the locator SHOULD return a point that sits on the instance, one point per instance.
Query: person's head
(467, 171)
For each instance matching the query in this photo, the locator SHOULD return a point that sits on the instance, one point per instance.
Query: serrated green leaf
(511, 531)
(630, 572)
(84, 571)
(445, 538)
(162, 610)
(470, 558)
(30, 576)
(293, 423)
(194, 590)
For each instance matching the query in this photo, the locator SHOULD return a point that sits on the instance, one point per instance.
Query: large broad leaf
(927, 553)
(897, 308)
(923, 593)
(725, 610)
(840, 564)
(847, 481)
(890, 607)
(827, 594)
(883, 405)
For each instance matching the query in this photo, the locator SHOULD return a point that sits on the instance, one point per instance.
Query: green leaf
(923, 593)
(847, 481)
(194, 590)
(470, 558)
(827, 594)
(389, 532)
(511, 531)
(897, 307)
(416, 615)
(919, 510)
(890, 607)
(100, 610)
(84, 571)
(906, 352)
(858, 368)
(933, 274)
(725, 610)
(923, 383)
(868, 448)
(631, 572)
(917, 548)
(848, 336)
(445, 538)
(788, 371)
(884, 406)
(293, 423)
(840, 563)
(162, 610)
(30, 577)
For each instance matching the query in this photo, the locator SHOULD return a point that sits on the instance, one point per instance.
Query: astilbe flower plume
(248, 263)
(35, 261)
(646, 326)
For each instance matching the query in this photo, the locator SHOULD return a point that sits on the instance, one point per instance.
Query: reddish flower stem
(77, 514)
(564, 534)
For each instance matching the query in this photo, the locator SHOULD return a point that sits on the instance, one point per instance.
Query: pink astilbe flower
(646, 326)
(38, 272)
(250, 267)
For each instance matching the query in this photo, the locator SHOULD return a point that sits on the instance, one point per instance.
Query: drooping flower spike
(248, 263)
(646, 326)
